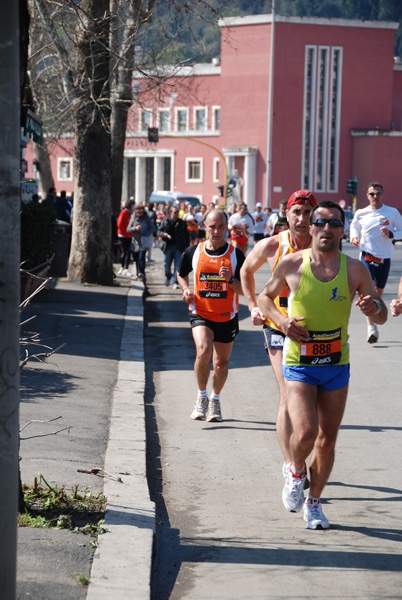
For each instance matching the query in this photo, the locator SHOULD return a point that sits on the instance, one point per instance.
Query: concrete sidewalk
(122, 561)
(96, 385)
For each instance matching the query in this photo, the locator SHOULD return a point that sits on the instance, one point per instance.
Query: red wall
(367, 84)
(372, 161)
(245, 52)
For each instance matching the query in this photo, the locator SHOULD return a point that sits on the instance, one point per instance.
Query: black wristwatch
(231, 280)
(391, 234)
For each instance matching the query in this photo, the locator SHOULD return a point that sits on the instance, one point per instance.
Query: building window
(321, 118)
(167, 170)
(335, 119)
(163, 120)
(130, 177)
(181, 119)
(194, 170)
(64, 169)
(216, 118)
(216, 170)
(200, 119)
(308, 128)
(145, 119)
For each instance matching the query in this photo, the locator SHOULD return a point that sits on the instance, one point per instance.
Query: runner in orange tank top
(213, 308)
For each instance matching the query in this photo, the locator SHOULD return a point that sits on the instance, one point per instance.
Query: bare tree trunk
(118, 128)
(121, 64)
(9, 294)
(45, 172)
(127, 21)
(91, 256)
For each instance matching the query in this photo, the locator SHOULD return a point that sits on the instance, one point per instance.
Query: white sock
(215, 396)
(203, 393)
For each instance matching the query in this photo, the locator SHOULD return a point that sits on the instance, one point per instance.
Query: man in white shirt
(241, 226)
(372, 230)
(260, 220)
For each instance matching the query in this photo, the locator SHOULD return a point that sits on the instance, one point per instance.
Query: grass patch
(53, 507)
(82, 579)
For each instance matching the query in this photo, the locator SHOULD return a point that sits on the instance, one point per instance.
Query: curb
(122, 562)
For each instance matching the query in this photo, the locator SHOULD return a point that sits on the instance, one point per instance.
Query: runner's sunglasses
(332, 223)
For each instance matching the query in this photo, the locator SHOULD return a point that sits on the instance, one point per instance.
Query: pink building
(301, 103)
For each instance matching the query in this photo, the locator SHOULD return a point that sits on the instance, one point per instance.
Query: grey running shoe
(372, 334)
(293, 494)
(200, 409)
(313, 515)
(214, 411)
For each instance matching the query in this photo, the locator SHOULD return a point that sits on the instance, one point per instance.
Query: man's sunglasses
(378, 193)
(335, 223)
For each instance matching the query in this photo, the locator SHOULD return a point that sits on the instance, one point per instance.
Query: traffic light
(221, 189)
(231, 185)
(153, 135)
(351, 187)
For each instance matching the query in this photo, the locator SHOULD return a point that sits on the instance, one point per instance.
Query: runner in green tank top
(322, 285)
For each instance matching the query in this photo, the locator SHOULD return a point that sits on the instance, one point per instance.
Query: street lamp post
(270, 107)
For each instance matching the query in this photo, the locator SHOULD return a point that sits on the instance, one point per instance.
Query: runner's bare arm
(261, 252)
(184, 283)
(396, 303)
(227, 275)
(369, 301)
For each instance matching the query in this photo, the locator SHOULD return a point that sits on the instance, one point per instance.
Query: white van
(176, 198)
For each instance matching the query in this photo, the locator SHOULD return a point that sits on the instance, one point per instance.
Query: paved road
(222, 530)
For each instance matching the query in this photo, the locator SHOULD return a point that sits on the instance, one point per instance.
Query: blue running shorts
(379, 271)
(327, 378)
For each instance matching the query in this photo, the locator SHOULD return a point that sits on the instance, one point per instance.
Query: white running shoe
(285, 471)
(200, 409)
(293, 494)
(313, 514)
(372, 334)
(127, 273)
(214, 411)
(176, 286)
(120, 271)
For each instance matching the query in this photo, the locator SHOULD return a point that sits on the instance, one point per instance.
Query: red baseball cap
(302, 197)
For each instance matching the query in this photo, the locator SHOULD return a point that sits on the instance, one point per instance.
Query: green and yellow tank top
(326, 307)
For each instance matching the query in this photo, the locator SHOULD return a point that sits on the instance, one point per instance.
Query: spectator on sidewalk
(142, 228)
(63, 207)
(175, 239)
(125, 237)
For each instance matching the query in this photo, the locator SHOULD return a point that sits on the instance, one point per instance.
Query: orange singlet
(214, 299)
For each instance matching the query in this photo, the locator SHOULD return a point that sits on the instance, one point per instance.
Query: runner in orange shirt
(213, 307)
